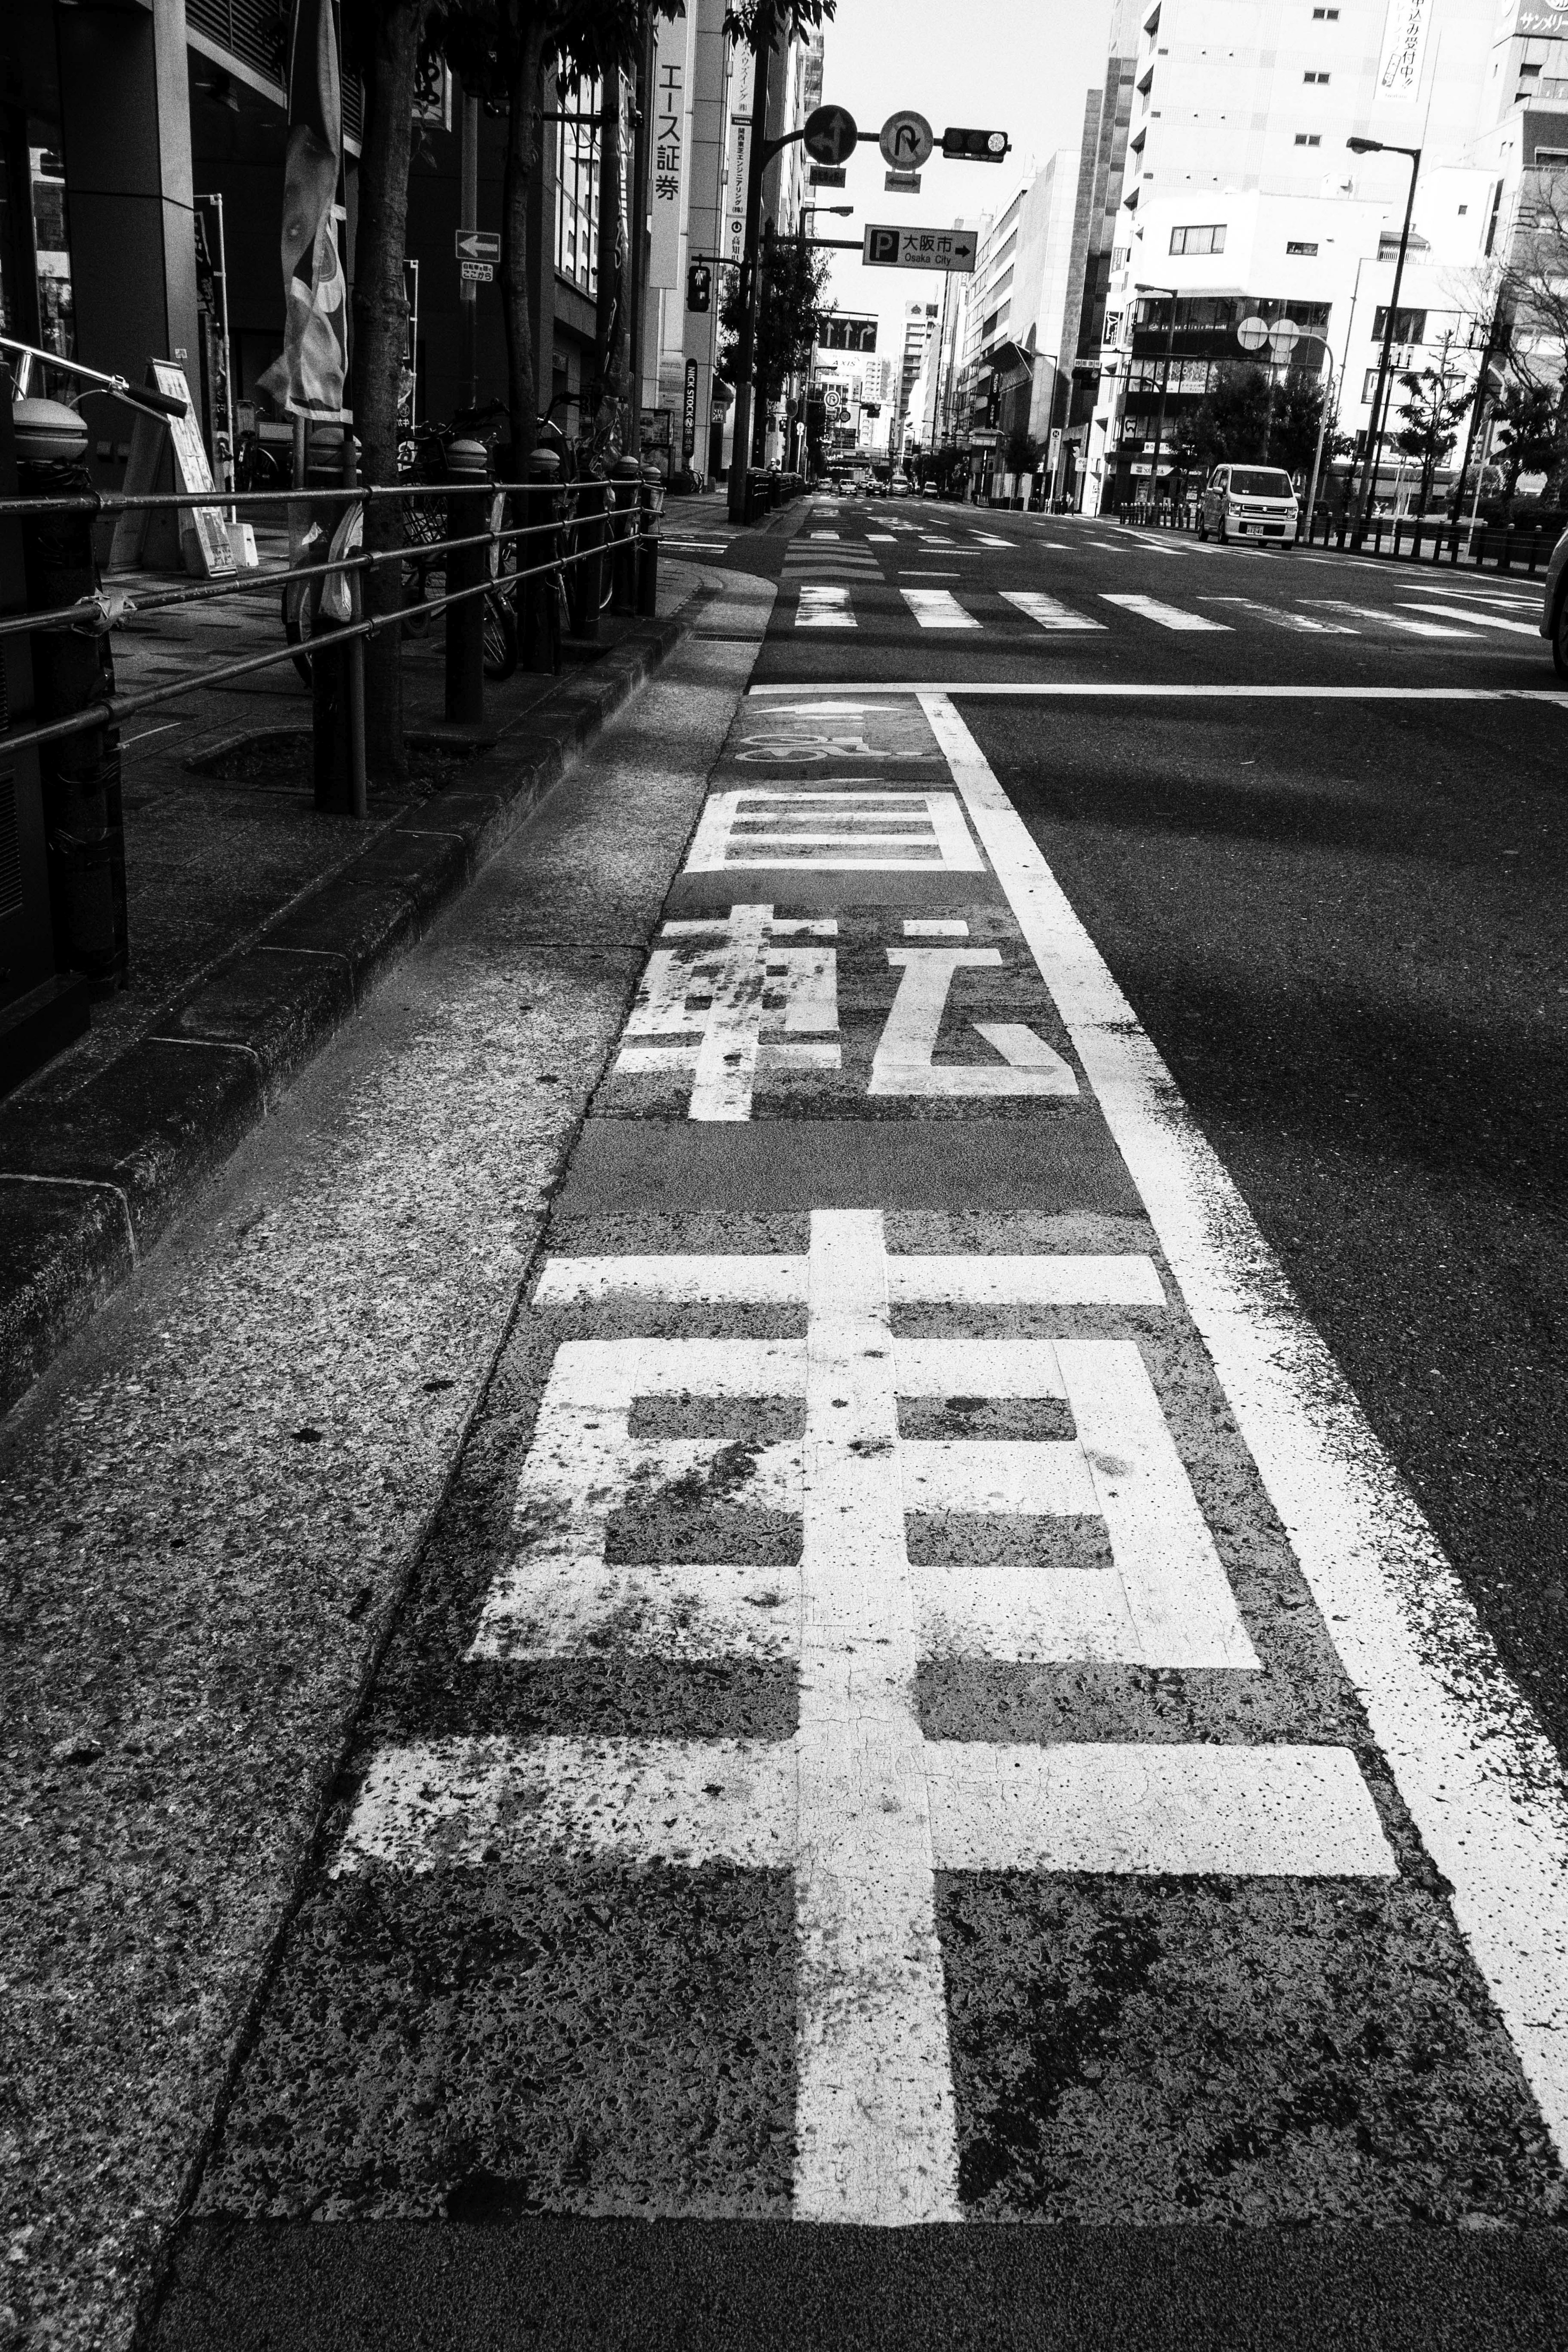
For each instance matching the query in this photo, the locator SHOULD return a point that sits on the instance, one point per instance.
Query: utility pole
(746, 339)
(469, 217)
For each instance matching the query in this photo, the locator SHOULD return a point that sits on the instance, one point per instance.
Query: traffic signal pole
(746, 339)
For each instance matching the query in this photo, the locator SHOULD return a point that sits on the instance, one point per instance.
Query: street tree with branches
(1436, 405)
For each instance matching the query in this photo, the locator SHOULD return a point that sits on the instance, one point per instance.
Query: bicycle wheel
(500, 637)
(297, 617)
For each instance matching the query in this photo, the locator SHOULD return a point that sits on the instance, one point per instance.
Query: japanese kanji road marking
(902, 1063)
(860, 1804)
(708, 985)
(781, 826)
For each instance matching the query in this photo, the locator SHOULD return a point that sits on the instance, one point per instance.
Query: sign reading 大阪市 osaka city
(918, 249)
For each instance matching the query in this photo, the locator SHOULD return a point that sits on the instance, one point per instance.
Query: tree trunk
(523, 108)
(381, 334)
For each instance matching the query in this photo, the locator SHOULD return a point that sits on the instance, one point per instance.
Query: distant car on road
(1554, 606)
(928, 489)
(1253, 502)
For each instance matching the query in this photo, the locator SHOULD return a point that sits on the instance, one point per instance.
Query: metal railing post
(468, 512)
(627, 485)
(592, 500)
(354, 657)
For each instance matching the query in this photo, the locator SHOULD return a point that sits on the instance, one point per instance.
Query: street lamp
(1376, 428)
(1164, 382)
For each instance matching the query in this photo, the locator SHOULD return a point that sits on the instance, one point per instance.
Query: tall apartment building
(1240, 201)
(919, 326)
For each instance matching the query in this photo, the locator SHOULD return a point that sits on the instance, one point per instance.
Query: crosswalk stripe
(1482, 620)
(822, 607)
(1279, 618)
(988, 539)
(1047, 612)
(1390, 620)
(938, 608)
(885, 538)
(825, 534)
(1165, 617)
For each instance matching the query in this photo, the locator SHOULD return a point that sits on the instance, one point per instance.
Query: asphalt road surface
(994, 1652)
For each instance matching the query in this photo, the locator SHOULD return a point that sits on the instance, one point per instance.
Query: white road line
(1479, 620)
(1107, 546)
(1047, 612)
(1278, 617)
(1165, 616)
(883, 538)
(938, 608)
(1516, 599)
(1389, 620)
(1481, 1781)
(988, 539)
(822, 607)
(1022, 689)
(825, 534)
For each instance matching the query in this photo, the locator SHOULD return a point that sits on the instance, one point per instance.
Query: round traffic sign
(830, 134)
(906, 142)
(830, 399)
(1252, 333)
(1283, 338)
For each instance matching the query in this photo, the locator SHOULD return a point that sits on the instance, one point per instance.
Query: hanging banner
(308, 381)
(1404, 51)
(671, 136)
(739, 163)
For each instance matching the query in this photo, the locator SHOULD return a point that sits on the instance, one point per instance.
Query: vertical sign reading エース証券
(1404, 51)
(666, 179)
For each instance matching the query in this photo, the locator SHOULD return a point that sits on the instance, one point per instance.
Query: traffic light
(975, 146)
(698, 286)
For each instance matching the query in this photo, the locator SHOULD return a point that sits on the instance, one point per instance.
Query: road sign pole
(468, 219)
(746, 339)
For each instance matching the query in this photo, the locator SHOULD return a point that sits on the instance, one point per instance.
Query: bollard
(79, 775)
(588, 577)
(627, 482)
(468, 510)
(650, 506)
(539, 631)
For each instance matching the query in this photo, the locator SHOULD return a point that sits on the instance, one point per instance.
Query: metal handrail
(115, 502)
(108, 712)
(65, 616)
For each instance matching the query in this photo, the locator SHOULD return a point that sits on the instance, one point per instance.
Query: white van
(1253, 502)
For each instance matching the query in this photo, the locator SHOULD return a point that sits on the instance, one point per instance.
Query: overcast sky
(1019, 65)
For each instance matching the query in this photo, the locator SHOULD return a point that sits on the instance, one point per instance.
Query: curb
(88, 1186)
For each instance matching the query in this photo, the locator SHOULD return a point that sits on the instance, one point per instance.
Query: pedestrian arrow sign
(918, 249)
(478, 245)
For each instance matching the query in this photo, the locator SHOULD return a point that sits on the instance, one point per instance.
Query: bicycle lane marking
(877, 1409)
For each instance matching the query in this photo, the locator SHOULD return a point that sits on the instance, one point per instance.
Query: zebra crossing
(843, 588)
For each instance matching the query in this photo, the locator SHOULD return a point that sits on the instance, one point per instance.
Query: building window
(1369, 386)
(1325, 16)
(1314, 76)
(1300, 245)
(1409, 326)
(1209, 238)
(1308, 139)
